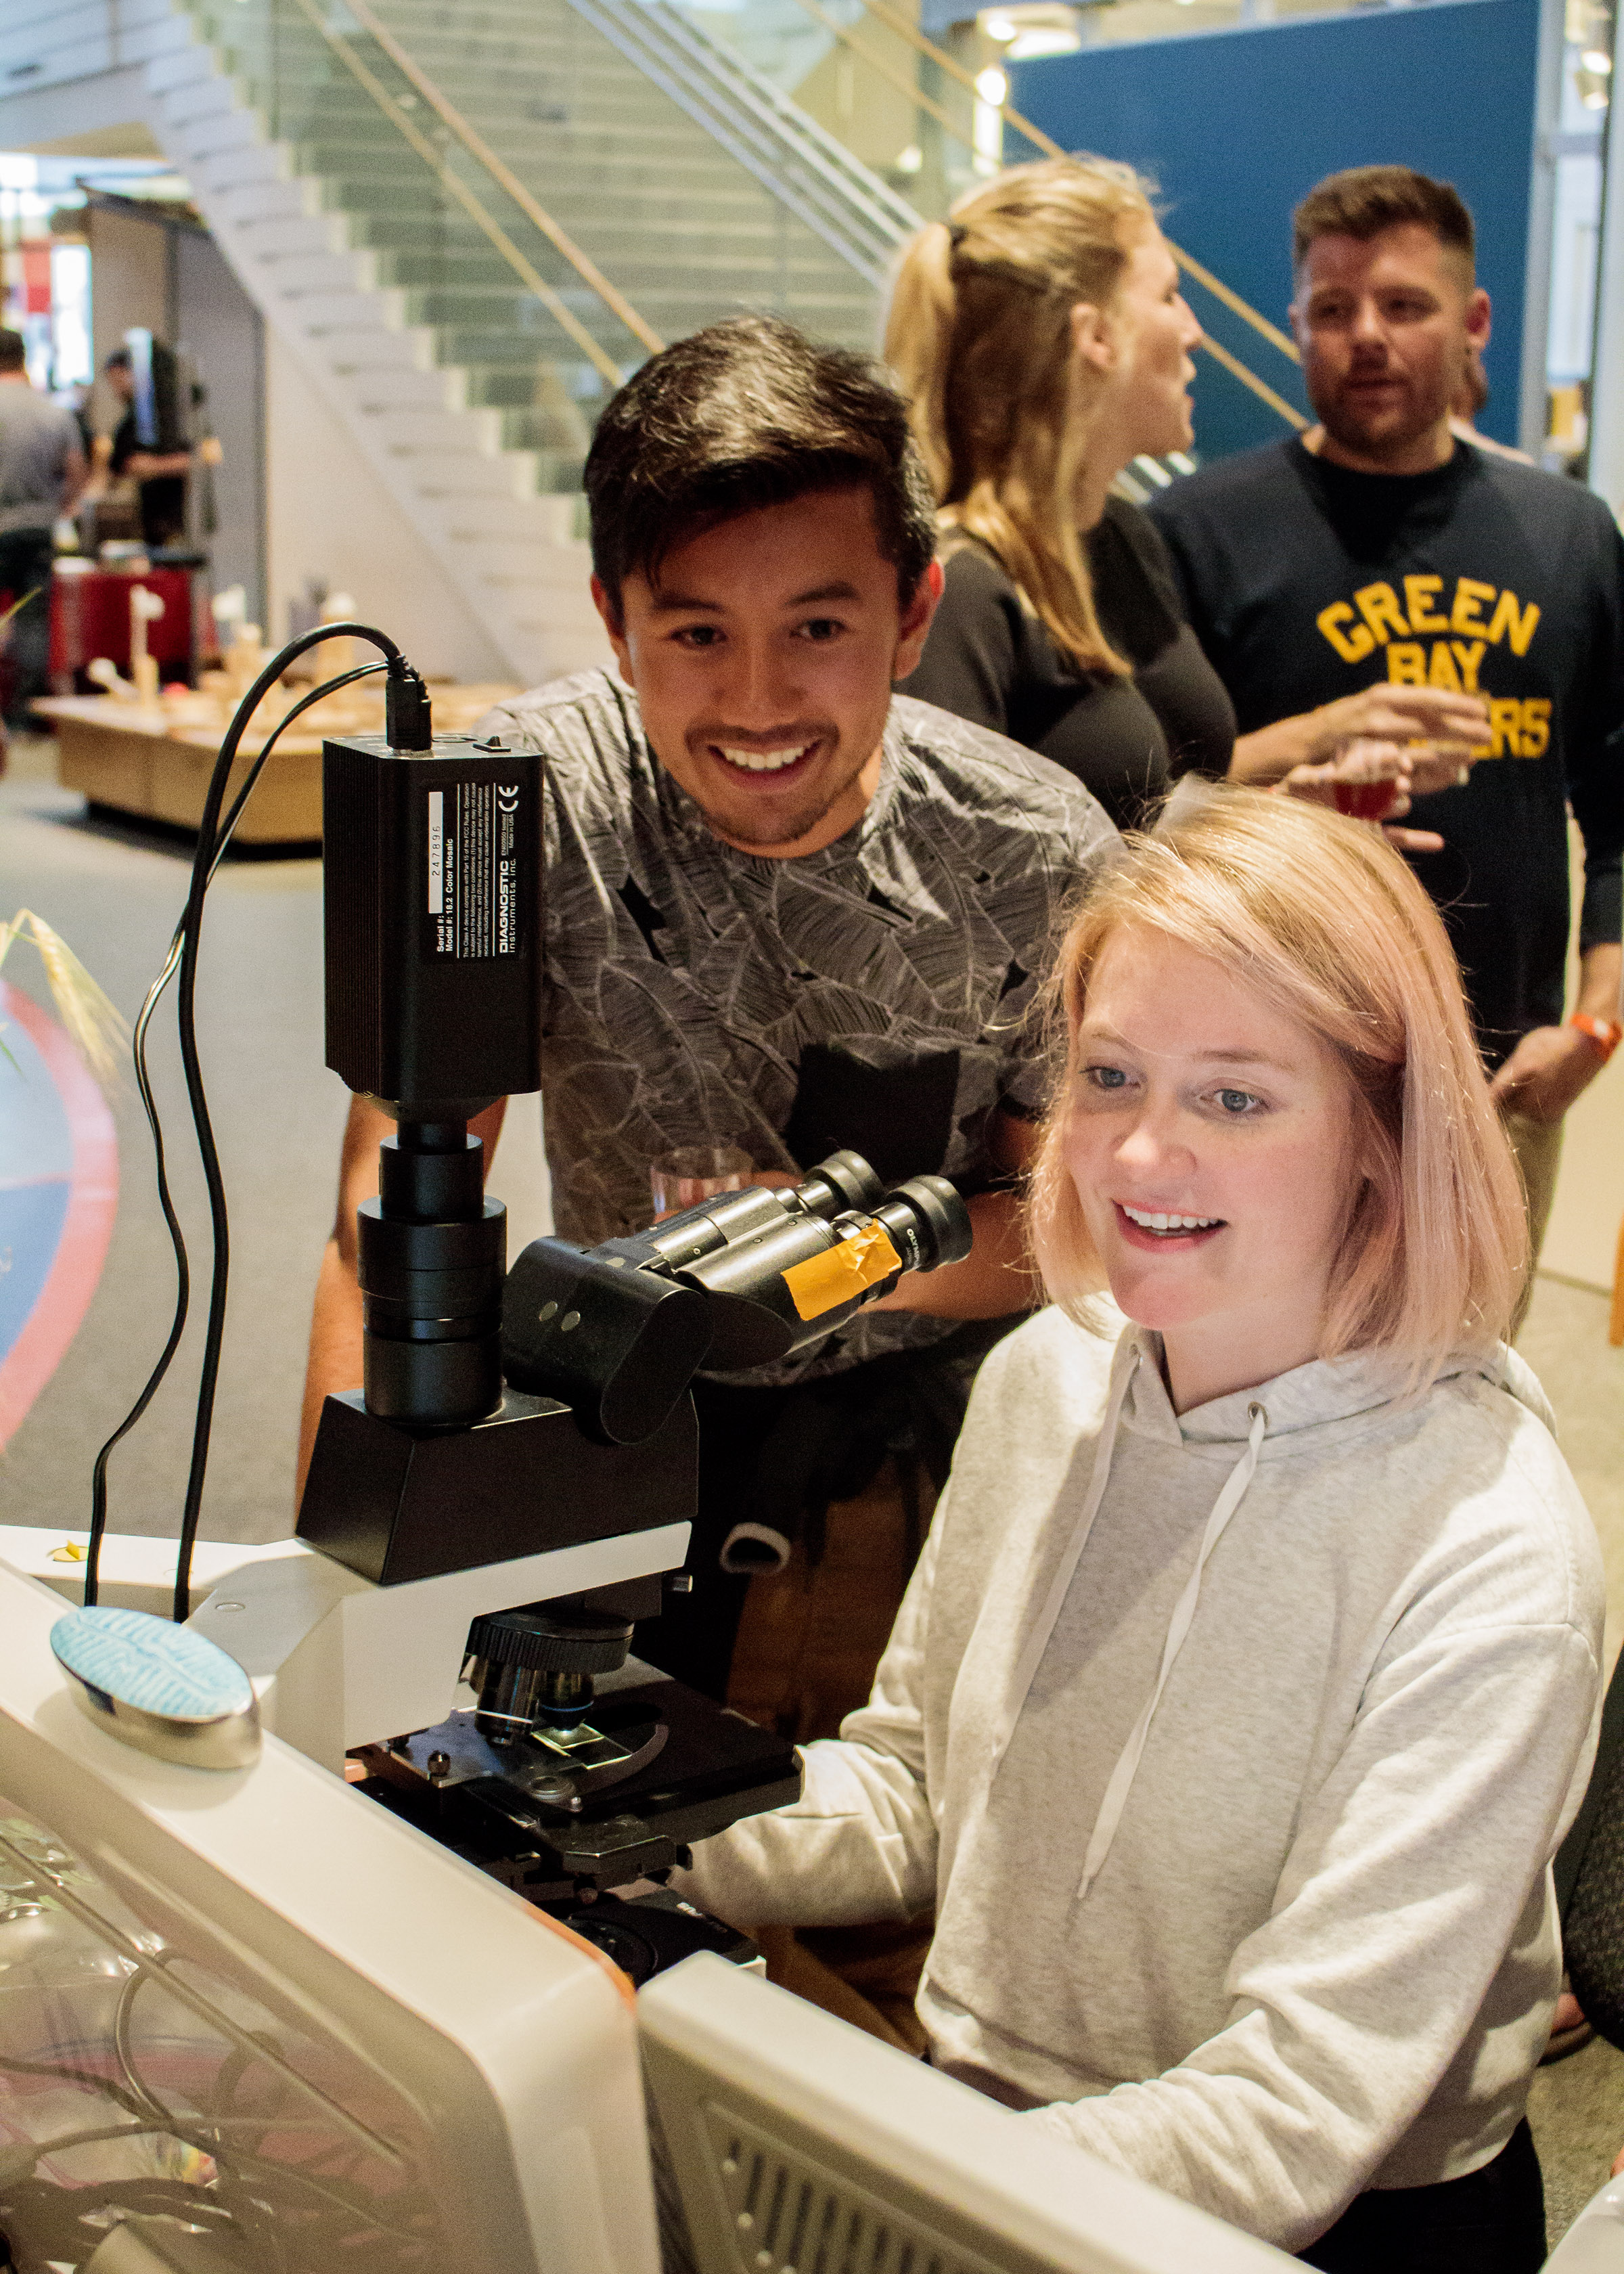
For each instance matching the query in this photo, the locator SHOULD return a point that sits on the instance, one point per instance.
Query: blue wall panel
(1235, 126)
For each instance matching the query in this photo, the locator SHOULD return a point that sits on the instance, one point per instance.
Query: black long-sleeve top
(990, 659)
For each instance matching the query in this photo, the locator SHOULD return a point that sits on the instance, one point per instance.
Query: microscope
(512, 1488)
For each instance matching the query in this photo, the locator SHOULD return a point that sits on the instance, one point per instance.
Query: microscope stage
(652, 1767)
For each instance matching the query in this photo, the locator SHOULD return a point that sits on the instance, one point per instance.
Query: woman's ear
(1092, 341)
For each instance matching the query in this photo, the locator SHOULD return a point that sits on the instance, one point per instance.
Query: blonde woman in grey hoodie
(1248, 1681)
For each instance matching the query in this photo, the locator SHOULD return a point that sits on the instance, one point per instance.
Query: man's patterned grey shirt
(688, 988)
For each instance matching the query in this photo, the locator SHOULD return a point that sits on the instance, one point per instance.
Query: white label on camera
(473, 863)
(437, 851)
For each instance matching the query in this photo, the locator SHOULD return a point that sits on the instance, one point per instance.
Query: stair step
(502, 517)
(445, 474)
(436, 430)
(404, 386)
(218, 171)
(228, 135)
(306, 274)
(281, 236)
(318, 313)
(184, 65)
(358, 352)
(264, 205)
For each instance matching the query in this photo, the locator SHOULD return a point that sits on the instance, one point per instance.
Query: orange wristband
(1604, 1034)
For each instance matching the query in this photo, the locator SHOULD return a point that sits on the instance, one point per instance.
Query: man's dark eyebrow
(667, 603)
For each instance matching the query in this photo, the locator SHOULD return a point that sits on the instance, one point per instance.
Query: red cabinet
(90, 616)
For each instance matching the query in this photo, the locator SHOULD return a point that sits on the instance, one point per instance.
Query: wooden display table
(155, 761)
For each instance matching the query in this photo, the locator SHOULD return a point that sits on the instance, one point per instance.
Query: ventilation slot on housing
(793, 2215)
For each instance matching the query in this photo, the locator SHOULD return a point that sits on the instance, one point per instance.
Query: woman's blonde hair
(1321, 917)
(980, 338)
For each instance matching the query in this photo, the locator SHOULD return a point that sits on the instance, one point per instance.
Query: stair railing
(894, 21)
(811, 173)
(436, 157)
(483, 155)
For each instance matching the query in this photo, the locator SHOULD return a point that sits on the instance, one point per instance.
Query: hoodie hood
(1308, 1403)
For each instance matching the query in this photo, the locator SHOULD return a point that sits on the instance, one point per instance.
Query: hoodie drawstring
(1122, 1776)
(1027, 1665)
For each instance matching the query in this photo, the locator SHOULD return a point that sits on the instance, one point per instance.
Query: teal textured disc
(150, 1664)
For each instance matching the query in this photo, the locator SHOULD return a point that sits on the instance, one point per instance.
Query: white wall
(328, 515)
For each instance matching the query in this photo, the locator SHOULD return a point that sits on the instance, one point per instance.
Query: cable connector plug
(408, 724)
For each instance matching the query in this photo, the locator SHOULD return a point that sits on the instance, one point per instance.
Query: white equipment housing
(337, 1661)
(261, 1992)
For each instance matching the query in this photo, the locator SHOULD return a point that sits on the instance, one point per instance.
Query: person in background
(1041, 340)
(161, 476)
(42, 473)
(1375, 577)
(1249, 1678)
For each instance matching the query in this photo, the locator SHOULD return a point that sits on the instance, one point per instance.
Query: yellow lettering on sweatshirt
(1379, 605)
(1418, 592)
(1506, 727)
(1515, 624)
(1441, 671)
(1536, 725)
(1353, 646)
(1466, 615)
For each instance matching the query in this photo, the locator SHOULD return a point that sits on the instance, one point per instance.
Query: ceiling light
(992, 87)
(911, 160)
(999, 28)
(1596, 59)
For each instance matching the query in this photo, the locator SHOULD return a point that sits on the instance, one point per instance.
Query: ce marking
(508, 797)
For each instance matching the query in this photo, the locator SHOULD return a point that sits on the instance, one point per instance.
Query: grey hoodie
(1232, 1749)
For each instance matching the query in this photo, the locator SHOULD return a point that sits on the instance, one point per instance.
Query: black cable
(227, 827)
(212, 837)
(182, 1273)
(209, 1373)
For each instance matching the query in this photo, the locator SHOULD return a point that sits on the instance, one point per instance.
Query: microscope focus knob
(552, 1640)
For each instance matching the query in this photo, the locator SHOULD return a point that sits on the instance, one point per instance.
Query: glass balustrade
(927, 111)
(555, 187)
(539, 335)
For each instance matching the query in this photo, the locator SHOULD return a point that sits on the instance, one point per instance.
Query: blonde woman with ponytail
(1041, 338)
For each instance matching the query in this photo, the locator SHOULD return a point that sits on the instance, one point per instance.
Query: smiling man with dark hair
(783, 909)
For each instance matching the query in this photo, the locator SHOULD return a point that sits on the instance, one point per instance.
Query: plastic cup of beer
(692, 1173)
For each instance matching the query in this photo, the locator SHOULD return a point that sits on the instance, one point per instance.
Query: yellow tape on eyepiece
(842, 1271)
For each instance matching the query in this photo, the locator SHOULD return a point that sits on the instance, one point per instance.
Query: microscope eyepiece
(928, 1221)
(618, 1331)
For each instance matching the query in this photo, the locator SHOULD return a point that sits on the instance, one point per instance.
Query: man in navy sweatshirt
(1380, 552)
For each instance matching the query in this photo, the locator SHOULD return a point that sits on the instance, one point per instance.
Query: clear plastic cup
(692, 1173)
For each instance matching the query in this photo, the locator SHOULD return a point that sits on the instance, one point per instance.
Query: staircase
(468, 372)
